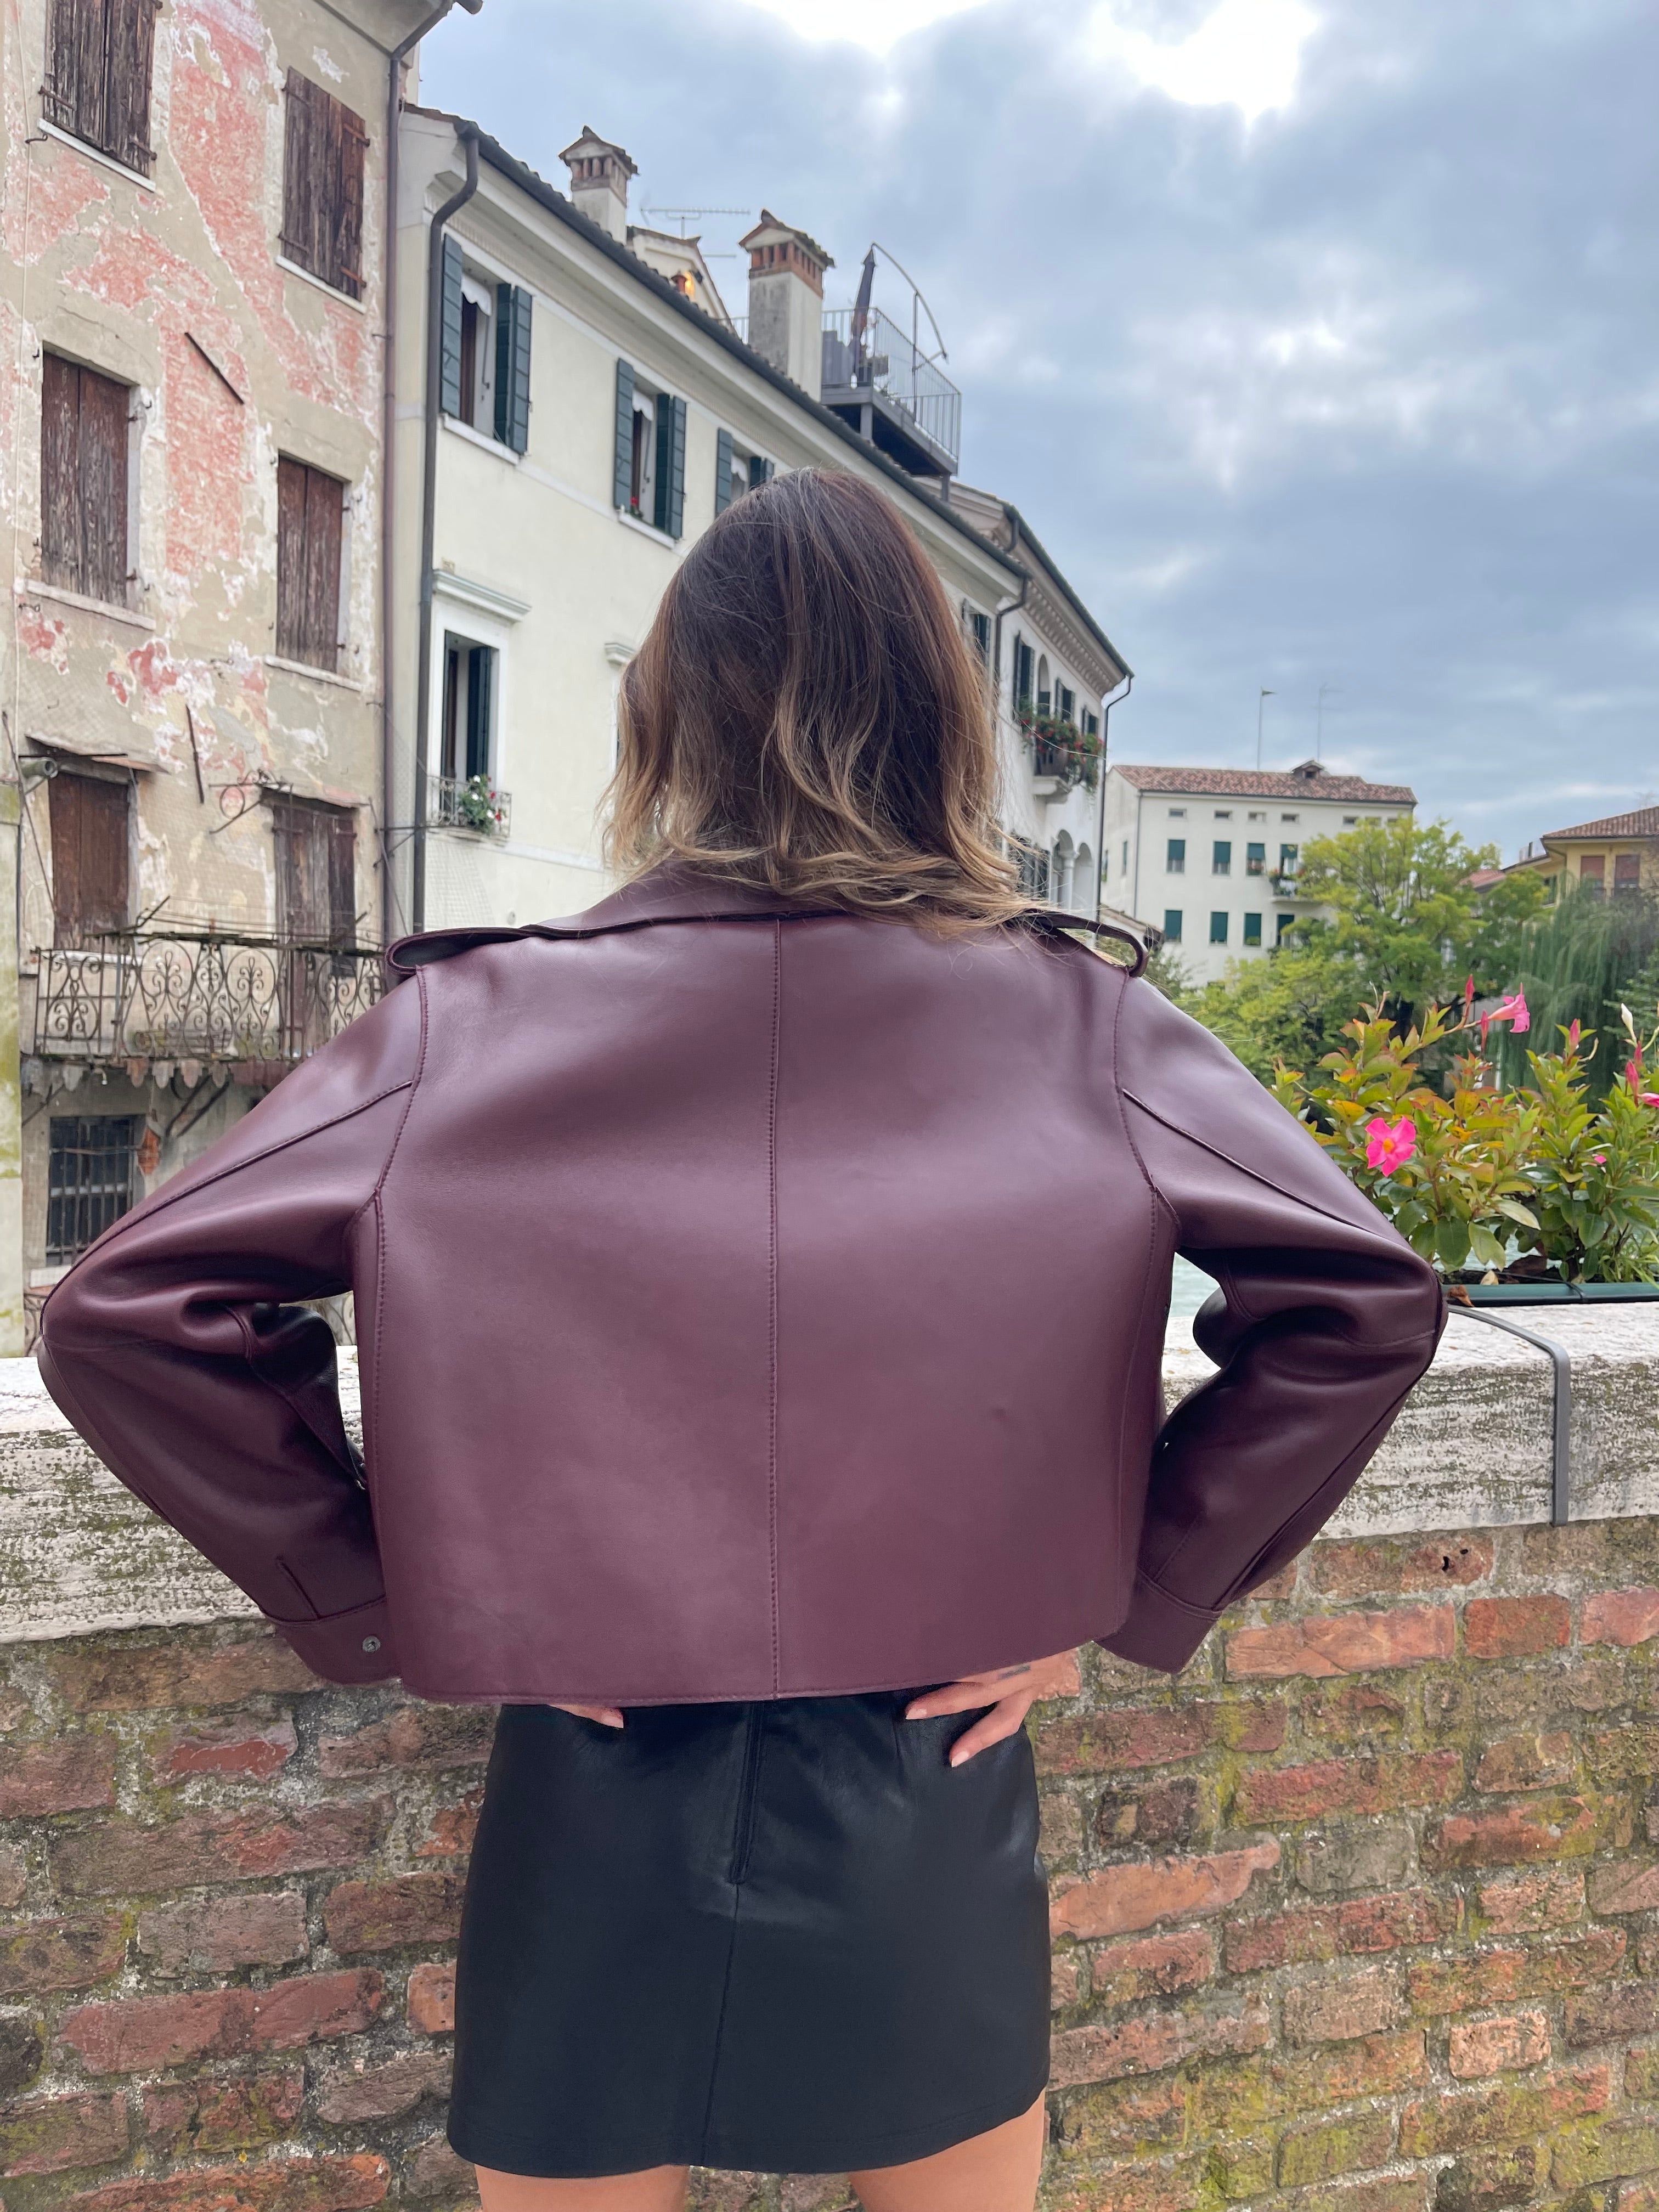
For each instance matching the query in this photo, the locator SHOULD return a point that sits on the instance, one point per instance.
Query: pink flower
(1389, 1145)
(1513, 1010)
(1600, 1158)
(1468, 998)
(1574, 1030)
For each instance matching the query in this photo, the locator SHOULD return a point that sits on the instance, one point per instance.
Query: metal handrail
(1561, 1404)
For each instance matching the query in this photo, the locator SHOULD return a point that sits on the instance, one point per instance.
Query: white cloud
(877, 24)
(1245, 54)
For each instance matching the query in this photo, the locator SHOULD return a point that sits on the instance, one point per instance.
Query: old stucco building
(192, 676)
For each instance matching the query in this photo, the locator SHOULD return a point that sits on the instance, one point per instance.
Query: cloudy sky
(1318, 339)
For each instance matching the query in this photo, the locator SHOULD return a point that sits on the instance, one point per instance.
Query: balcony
(1063, 757)
(886, 387)
(1286, 882)
(468, 802)
(135, 997)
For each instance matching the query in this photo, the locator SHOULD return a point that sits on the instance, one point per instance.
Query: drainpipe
(467, 135)
(394, 101)
(1008, 607)
(1106, 706)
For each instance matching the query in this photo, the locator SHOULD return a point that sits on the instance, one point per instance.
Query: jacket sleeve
(174, 1347)
(1323, 1320)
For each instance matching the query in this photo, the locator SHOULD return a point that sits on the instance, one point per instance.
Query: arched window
(1062, 875)
(1043, 700)
(1085, 888)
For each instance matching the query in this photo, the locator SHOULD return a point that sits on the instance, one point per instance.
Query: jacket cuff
(345, 1647)
(1160, 1630)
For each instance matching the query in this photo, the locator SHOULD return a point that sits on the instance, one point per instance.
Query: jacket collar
(673, 892)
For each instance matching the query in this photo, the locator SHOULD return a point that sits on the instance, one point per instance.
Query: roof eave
(1022, 529)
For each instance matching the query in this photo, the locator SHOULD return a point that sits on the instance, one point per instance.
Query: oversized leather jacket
(747, 1307)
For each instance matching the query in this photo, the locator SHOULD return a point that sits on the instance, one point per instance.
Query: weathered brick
(1396, 1567)
(453, 1827)
(72, 1774)
(1121, 1898)
(432, 2169)
(1375, 1857)
(229, 1747)
(21, 2053)
(1356, 1715)
(1133, 2115)
(1327, 2147)
(14, 1874)
(1524, 1903)
(1383, 1784)
(215, 1935)
(1642, 2075)
(1623, 1755)
(414, 1736)
(1060, 1834)
(1625, 1616)
(380, 1916)
(1610, 2016)
(138, 2034)
(1242, 2092)
(288, 2184)
(1528, 1762)
(53, 2133)
(212, 2117)
(1359, 1926)
(385, 2092)
(1507, 2113)
(1359, 2004)
(1140, 2187)
(432, 1999)
(1153, 1735)
(1154, 1966)
(1624, 1887)
(1515, 1627)
(1605, 2152)
(1068, 1978)
(1104, 2051)
(180, 1673)
(1542, 1828)
(1169, 1812)
(1491, 2180)
(1385, 2193)
(121, 1857)
(1343, 1643)
(1480, 2047)
(1477, 1980)
(36, 1955)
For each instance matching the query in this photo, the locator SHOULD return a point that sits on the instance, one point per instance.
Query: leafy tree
(1580, 961)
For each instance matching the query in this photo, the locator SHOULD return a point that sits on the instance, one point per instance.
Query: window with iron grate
(91, 1172)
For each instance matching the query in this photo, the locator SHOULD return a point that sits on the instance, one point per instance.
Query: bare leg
(996, 2171)
(660, 2188)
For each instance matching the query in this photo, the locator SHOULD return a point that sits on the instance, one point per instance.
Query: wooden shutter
(671, 465)
(480, 683)
(449, 334)
(760, 471)
(625, 469)
(89, 857)
(131, 57)
(83, 479)
(723, 459)
(77, 68)
(350, 153)
(342, 876)
(325, 147)
(513, 305)
(61, 558)
(310, 514)
(301, 175)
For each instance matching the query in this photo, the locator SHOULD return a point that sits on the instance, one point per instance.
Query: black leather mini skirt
(782, 1937)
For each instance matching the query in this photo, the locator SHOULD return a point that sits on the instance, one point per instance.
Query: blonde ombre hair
(806, 716)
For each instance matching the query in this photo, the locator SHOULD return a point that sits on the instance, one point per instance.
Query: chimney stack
(599, 182)
(786, 300)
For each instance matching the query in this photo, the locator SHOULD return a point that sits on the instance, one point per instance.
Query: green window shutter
(513, 365)
(449, 343)
(674, 502)
(481, 675)
(625, 475)
(760, 471)
(722, 471)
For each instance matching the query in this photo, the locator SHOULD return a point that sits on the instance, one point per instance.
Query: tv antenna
(684, 215)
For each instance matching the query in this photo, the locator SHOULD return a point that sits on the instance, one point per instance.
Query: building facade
(594, 405)
(1617, 856)
(192, 291)
(1209, 858)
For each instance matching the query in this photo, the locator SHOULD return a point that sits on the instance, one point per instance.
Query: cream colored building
(594, 406)
(194, 299)
(1615, 856)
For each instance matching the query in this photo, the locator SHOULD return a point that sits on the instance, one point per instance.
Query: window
(1287, 859)
(1223, 813)
(92, 1169)
(650, 453)
(1350, 821)
(978, 627)
(1043, 697)
(1255, 859)
(99, 57)
(1177, 814)
(1033, 867)
(89, 818)
(1221, 857)
(485, 352)
(730, 472)
(316, 872)
(468, 741)
(1551, 885)
(1175, 856)
(1258, 817)
(310, 522)
(1065, 702)
(1125, 857)
(83, 479)
(1218, 929)
(1592, 874)
(1025, 672)
(1252, 929)
(1290, 818)
(1627, 873)
(1172, 925)
(1091, 723)
(323, 144)
(1283, 922)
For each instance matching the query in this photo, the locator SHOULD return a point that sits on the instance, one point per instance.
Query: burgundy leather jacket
(748, 1307)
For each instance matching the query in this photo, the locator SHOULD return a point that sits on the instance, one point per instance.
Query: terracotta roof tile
(1308, 781)
(1643, 822)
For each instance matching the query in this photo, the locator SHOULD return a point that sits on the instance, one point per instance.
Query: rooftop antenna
(684, 215)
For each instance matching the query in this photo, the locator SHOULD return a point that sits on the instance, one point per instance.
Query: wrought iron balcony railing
(468, 802)
(133, 995)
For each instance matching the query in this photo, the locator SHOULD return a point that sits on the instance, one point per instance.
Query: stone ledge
(1471, 1450)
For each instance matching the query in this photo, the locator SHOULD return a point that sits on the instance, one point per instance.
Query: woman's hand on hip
(1010, 1693)
(611, 1715)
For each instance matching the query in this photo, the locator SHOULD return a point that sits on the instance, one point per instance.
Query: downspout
(394, 102)
(1106, 706)
(467, 134)
(1008, 607)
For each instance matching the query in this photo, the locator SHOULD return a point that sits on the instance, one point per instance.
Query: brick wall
(1361, 1917)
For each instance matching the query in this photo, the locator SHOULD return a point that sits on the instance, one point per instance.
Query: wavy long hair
(806, 716)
